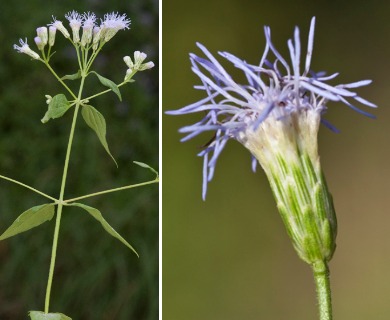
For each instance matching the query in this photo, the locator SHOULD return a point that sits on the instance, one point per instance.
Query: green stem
(61, 198)
(59, 79)
(112, 190)
(78, 56)
(93, 57)
(28, 187)
(321, 276)
(105, 91)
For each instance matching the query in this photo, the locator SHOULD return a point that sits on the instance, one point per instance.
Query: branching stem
(61, 198)
(60, 80)
(112, 190)
(28, 187)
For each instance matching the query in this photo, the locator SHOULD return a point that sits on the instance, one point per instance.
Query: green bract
(287, 150)
(306, 207)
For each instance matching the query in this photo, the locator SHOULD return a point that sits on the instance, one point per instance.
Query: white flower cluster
(137, 65)
(92, 34)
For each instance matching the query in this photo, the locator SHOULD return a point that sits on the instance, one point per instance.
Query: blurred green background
(230, 257)
(96, 277)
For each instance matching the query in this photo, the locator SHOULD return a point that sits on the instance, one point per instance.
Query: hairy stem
(321, 276)
(61, 198)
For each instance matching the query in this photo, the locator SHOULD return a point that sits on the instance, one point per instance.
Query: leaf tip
(144, 165)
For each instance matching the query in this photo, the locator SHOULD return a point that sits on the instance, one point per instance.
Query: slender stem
(61, 198)
(105, 91)
(93, 56)
(321, 276)
(78, 56)
(59, 79)
(28, 187)
(112, 190)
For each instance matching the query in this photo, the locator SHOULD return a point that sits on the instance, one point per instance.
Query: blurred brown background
(230, 257)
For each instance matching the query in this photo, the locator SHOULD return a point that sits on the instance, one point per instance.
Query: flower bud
(146, 66)
(129, 74)
(39, 43)
(128, 61)
(42, 33)
(48, 98)
(59, 26)
(139, 57)
(52, 35)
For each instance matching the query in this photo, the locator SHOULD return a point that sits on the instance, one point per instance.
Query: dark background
(230, 257)
(96, 277)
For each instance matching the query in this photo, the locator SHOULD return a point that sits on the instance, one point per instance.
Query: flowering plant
(87, 47)
(276, 115)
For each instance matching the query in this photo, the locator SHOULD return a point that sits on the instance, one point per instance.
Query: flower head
(88, 25)
(75, 20)
(59, 26)
(112, 23)
(24, 48)
(52, 35)
(278, 108)
(89, 20)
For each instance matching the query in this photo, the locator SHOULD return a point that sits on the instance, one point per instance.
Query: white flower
(75, 20)
(58, 25)
(112, 23)
(24, 48)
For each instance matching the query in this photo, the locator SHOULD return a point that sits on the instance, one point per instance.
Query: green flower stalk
(276, 116)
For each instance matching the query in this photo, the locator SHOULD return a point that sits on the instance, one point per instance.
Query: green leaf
(74, 76)
(98, 216)
(108, 83)
(29, 219)
(57, 108)
(144, 165)
(97, 123)
(39, 315)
